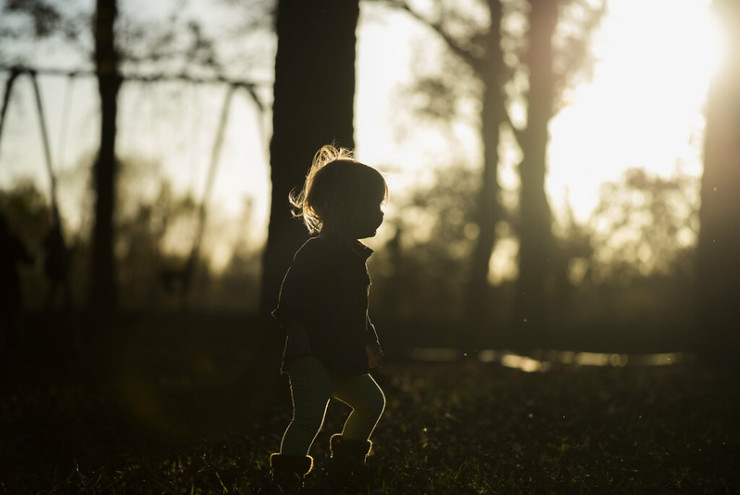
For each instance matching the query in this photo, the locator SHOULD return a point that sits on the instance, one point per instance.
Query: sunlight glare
(523, 363)
(650, 82)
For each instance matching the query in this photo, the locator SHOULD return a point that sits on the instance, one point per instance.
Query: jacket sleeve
(296, 302)
(371, 336)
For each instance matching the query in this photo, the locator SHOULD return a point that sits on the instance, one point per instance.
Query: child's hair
(335, 181)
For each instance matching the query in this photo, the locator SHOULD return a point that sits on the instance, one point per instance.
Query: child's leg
(367, 401)
(311, 387)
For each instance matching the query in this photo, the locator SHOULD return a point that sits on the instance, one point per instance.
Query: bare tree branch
(453, 45)
(519, 134)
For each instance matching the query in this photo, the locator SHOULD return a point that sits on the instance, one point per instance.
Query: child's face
(366, 219)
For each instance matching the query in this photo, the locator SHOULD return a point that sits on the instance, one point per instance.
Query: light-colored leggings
(311, 386)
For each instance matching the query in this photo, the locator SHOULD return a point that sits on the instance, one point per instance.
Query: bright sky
(642, 108)
(644, 105)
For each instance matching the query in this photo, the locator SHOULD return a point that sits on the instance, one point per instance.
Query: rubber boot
(288, 472)
(348, 459)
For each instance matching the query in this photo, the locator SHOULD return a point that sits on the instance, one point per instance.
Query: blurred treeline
(463, 253)
(622, 270)
(154, 241)
(621, 274)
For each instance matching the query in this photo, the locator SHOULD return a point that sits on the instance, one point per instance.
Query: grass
(158, 415)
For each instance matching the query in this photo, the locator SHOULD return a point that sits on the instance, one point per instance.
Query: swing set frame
(250, 88)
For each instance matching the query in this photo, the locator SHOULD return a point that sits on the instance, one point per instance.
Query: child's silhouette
(331, 344)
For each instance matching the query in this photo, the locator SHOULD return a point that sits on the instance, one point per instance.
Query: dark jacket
(326, 290)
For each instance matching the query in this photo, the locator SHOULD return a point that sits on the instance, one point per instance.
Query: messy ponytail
(334, 180)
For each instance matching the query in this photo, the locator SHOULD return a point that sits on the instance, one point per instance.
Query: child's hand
(374, 355)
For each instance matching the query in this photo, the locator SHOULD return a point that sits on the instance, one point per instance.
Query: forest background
(157, 163)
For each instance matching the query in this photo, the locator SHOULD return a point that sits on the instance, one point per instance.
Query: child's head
(341, 195)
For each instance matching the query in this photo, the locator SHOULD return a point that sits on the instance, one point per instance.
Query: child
(331, 344)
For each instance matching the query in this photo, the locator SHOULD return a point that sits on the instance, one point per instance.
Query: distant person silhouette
(331, 344)
(12, 252)
(56, 270)
(56, 265)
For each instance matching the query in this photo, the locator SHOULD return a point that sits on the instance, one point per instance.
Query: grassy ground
(154, 415)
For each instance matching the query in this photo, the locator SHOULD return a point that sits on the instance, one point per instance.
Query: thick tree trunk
(488, 212)
(313, 105)
(103, 296)
(717, 267)
(535, 235)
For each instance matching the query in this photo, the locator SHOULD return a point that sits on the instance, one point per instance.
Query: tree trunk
(488, 213)
(717, 268)
(535, 235)
(313, 105)
(103, 296)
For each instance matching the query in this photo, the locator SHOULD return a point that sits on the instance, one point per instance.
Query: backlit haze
(642, 108)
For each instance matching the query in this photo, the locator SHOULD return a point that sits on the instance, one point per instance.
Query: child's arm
(372, 346)
(299, 343)
(296, 302)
